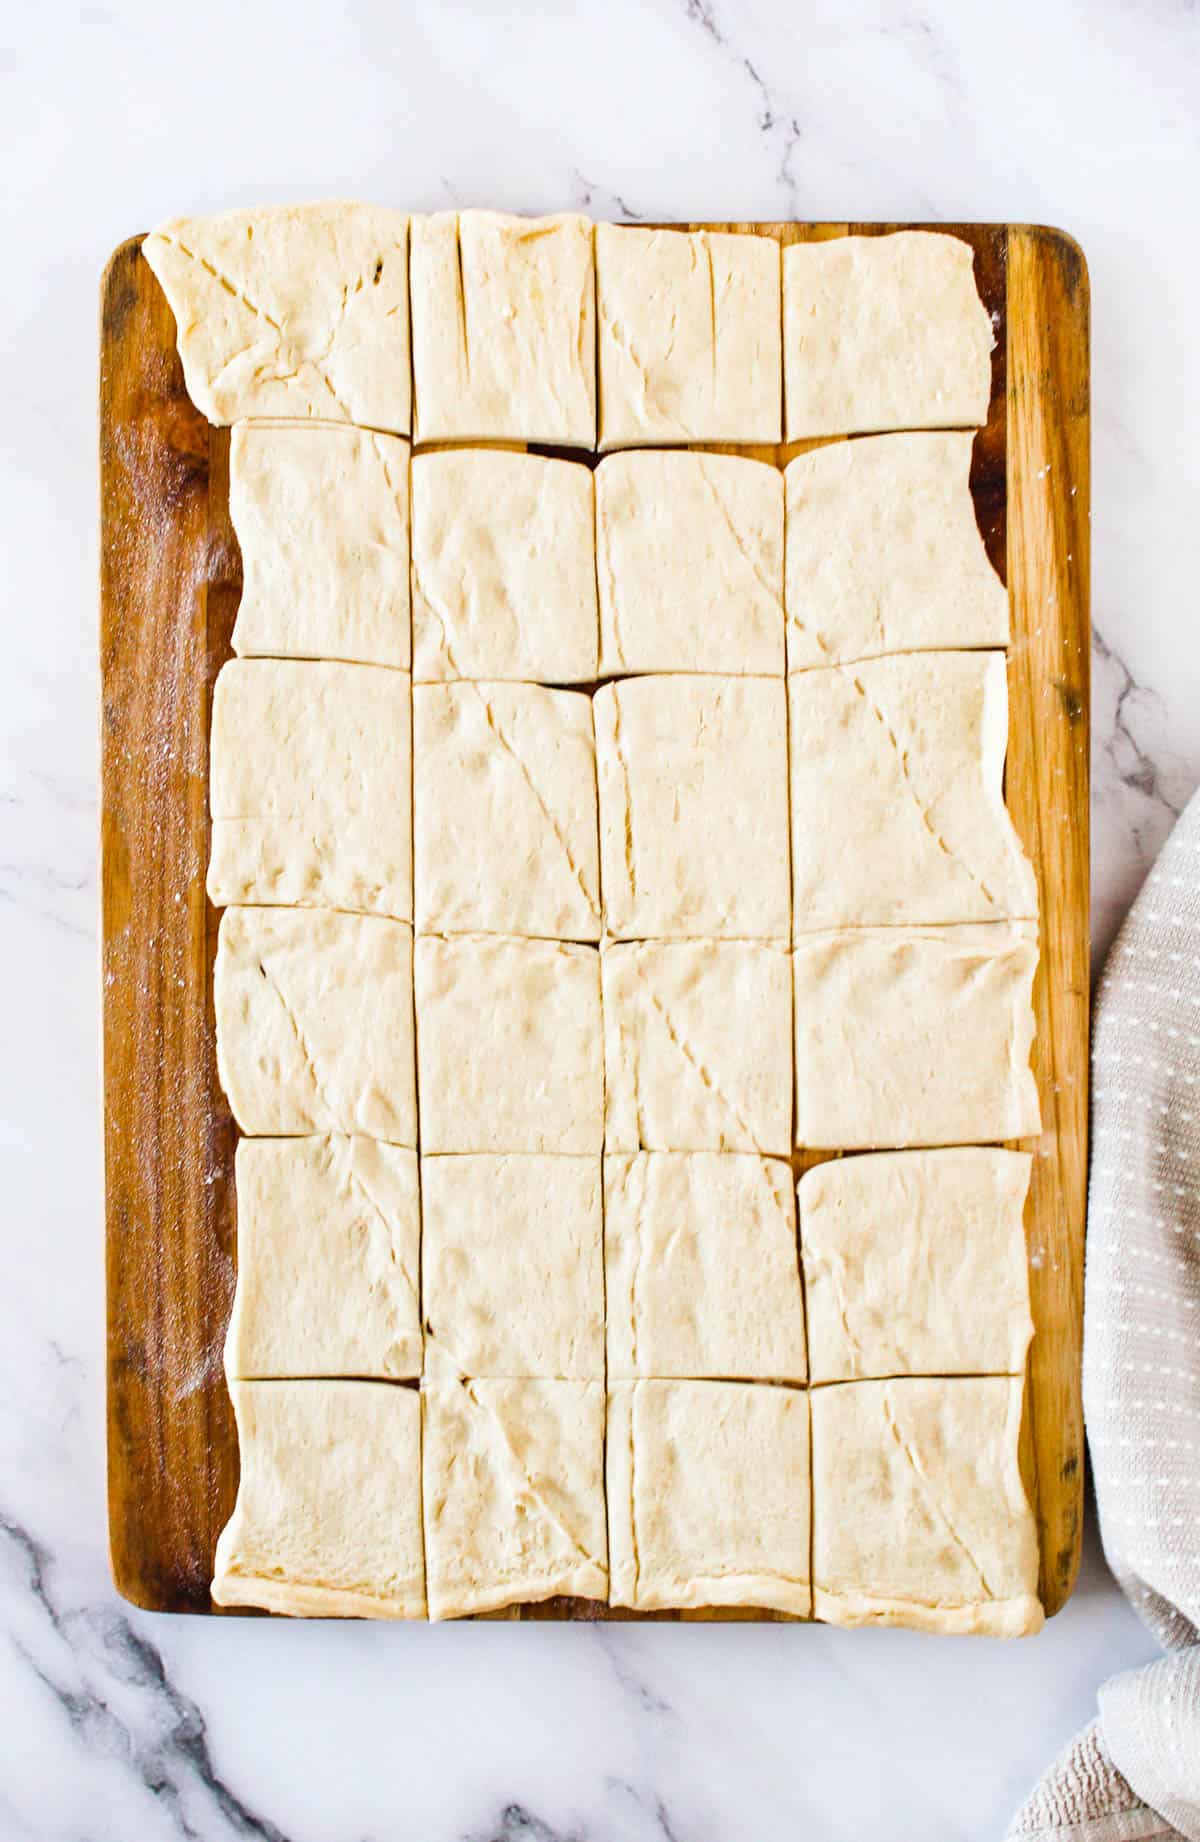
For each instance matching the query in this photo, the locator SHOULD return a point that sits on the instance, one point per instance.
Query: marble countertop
(120, 1725)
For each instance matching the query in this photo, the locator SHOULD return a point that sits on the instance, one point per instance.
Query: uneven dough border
(147, 1574)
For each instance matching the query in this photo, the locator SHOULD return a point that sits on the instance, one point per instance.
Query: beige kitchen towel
(1135, 1773)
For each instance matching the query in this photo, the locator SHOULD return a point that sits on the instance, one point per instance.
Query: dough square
(327, 1522)
(512, 1266)
(708, 1495)
(514, 1493)
(689, 562)
(295, 310)
(915, 1036)
(509, 1045)
(884, 333)
(694, 807)
(321, 515)
(701, 1269)
(915, 1264)
(504, 328)
(697, 1046)
(314, 1017)
(884, 553)
(898, 813)
(505, 811)
(310, 787)
(504, 567)
(919, 1512)
(690, 336)
(328, 1257)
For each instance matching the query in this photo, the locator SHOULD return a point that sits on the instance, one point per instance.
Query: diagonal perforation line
(302, 1043)
(520, 1467)
(707, 1080)
(902, 762)
(929, 1493)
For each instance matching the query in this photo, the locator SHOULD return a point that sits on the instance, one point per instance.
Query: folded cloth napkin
(1135, 1773)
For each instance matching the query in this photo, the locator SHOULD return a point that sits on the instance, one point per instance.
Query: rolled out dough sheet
(327, 1522)
(689, 562)
(310, 786)
(689, 336)
(884, 553)
(898, 811)
(915, 1036)
(504, 328)
(693, 807)
(510, 1046)
(504, 568)
(505, 811)
(708, 1495)
(292, 310)
(315, 1023)
(701, 1270)
(328, 1246)
(512, 1265)
(915, 1264)
(884, 333)
(698, 1046)
(321, 516)
(514, 1493)
(919, 1513)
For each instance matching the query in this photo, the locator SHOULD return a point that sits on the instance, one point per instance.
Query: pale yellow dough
(689, 562)
(504, 811)
(315, 1023)
(884, 553)
(898, 811)
(512, 1266)
(920, 1516)
(514, 1493)
(884, 333)
(504, 568)
(321, 516)
(504, 328)
(708, 1495)
(310, 786)
(698, 1046)
(689, 336)
(915, 1036)
(509, 1043)
(328, 1254)
(701, 1271)
(693, 807)
(327, 1522)
(914, 1264)
(291, 310)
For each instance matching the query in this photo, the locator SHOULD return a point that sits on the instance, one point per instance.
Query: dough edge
(752, 1591)
(295, 1599)
(1017, 1617)
(585, 1580)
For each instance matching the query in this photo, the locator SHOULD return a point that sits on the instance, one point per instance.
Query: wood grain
(1047, 788)
(170, 582)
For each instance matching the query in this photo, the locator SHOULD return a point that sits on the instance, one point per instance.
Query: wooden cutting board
(169, 586)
